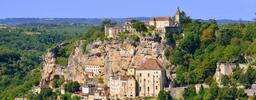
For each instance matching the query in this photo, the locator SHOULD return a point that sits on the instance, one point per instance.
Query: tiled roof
(151, 64)
(126, 77)
(161, 18)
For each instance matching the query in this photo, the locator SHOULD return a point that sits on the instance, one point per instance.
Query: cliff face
(117, 56)
(114, 55)
(73, 71)
(49, 67)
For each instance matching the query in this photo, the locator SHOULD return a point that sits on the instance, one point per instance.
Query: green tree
(184, 18)
(139, 26)
(190, 43)
(224, 37)
(46, 94)
(189, 92)
(225, 80)
(57, 81)
(104, 23)
(212, 92)
(207, 36)
(72, 87)
(163, 95)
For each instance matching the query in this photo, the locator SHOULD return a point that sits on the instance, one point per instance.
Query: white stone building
(94, 69)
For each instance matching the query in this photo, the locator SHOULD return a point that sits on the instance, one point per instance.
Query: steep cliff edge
(72, 72)
(115, 55)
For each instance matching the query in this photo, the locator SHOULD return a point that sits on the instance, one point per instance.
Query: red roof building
(151, 64)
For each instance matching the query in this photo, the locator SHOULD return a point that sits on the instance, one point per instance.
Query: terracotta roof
(151, 64)
(160, 18)
(126, 77)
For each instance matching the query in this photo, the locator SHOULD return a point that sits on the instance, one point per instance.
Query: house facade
(128, 89)
(93, 69)
(160, 23)
(113, 30)
(122, 87)
(150, 78)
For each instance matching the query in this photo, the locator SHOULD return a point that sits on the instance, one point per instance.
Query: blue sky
(204, 9)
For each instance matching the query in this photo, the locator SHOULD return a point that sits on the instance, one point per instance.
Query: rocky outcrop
(49, 68)
(74, 70)
(115, 55)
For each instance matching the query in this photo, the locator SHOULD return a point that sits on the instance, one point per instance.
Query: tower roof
(178, 10)
(151, 64)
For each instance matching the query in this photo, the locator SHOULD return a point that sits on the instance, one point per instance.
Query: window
(140, 74)
(148, 88)
(148, 75)
(144, 80)
(140, 89)
(156, 87)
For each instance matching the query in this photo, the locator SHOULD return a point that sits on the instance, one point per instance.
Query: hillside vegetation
(203, 46)
(20, 54)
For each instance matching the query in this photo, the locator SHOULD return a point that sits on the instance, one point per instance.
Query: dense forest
(202, 46)
(21, 48)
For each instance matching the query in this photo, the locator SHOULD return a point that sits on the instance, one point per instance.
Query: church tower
(177, 16)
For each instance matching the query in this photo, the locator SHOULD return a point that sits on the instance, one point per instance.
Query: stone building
(114, 86)
(165, 24)
(128, 89)
(150, 78)
(160, 24)
(94, 69)
(122, 87)
(113, 30)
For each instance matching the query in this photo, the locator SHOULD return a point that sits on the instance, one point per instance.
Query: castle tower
(177, 16)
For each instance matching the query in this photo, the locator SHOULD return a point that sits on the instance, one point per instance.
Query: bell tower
(177, 16)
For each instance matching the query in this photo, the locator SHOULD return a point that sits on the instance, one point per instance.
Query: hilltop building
(160, 24)
(113, 30)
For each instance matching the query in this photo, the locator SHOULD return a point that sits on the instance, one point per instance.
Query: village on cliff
(124, 69)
